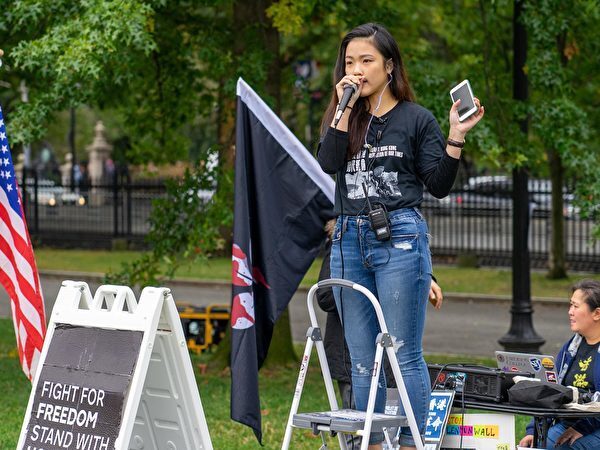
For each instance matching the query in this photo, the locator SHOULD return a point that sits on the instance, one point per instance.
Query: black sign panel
(80, 394)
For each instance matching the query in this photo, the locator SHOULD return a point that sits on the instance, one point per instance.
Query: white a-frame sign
(115, 373)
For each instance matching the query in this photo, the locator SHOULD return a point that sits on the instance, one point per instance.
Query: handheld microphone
(349, 91)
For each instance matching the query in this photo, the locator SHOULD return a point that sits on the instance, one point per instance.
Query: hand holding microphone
(351, 88)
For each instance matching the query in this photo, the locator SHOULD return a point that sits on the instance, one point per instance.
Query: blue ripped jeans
(398, 273)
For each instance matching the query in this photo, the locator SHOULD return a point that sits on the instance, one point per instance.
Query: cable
(343, 223)
(462, 417)
(341, 309)
(434, 383)
(434, 387)
(375, 110)
(462, 399)
(367, 146)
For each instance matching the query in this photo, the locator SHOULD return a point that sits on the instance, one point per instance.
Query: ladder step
(347, 420)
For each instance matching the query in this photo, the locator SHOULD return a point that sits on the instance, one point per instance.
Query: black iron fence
(87, 216)
(475, 221)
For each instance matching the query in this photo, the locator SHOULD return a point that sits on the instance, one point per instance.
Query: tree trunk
(226, 127)
(254, 29)
(556, 255)
(281, 351)
(557, 266)
(221, 358)
(252, 25)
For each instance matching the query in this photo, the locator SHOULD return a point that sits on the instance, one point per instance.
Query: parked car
(490, 195)
(540, 192)
(49, 194)
(483, 196)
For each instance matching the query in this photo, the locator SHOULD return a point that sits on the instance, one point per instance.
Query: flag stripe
(14, 266)
(288, 141)
(25, 307)
(28, 345)
(18, 247)
(18, 272)
(37, 354)
(15, 219)
(20, 289)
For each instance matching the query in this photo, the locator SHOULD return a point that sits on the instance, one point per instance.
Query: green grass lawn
(451, 278)
(276, 388)
(14, 386)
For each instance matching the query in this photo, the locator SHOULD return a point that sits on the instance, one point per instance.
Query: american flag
(18, 272)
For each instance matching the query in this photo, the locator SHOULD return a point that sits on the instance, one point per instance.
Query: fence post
(36, 205)
(115, 187)
(128, 195)
(24, 191)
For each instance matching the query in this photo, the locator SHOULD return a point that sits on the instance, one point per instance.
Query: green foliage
(73, 59)
(162, 69)
(485, 59)
(563, 37)
(155, 65)
(165, 71)
(288, 15)
(185, 227)
(571, 137)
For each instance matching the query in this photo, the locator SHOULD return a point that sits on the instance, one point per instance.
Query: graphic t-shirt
(405, 150)
(581, 372)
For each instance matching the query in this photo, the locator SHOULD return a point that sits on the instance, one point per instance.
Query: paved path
(465, 324)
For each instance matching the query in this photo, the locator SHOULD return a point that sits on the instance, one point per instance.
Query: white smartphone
(467, 105)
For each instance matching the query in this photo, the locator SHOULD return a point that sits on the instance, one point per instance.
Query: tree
(162, 66)
(560, 122)
(166, 69)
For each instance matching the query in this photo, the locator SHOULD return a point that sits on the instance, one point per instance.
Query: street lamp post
(521, 335)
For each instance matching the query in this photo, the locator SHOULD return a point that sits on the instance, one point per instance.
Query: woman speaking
(383, 148)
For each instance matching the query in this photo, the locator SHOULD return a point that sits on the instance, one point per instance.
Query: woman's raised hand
(463, 127)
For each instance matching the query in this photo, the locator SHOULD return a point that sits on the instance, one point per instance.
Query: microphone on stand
(349, 91)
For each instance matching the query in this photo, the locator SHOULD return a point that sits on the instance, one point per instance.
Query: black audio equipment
(378, 217)
(475, 382)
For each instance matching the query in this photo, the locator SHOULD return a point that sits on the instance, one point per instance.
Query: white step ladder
(347, 421)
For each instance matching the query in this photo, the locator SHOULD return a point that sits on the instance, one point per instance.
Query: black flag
(282, 201)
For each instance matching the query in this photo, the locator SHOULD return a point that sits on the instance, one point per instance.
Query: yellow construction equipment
(203, 326)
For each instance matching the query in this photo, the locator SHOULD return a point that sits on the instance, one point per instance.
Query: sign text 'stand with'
(82, 387)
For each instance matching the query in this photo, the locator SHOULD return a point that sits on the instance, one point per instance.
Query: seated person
(578, 363)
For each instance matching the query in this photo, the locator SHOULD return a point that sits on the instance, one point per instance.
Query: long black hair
(399, 87)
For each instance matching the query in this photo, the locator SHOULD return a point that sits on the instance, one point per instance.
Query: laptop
(542, 367)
